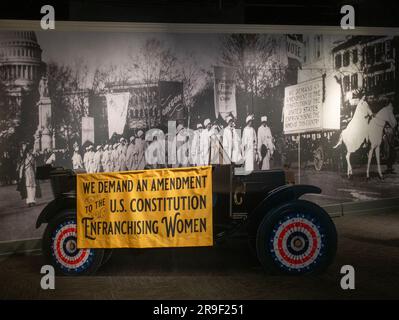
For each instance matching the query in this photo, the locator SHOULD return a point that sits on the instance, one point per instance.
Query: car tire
(296, 238)
(59, 246)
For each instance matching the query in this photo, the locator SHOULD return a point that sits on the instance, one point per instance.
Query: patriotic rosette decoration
(65, 251)
(297, 242)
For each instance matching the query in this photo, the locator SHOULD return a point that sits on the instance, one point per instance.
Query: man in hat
(140, 150)
(77, 162)
(205, 143)
(195, 146)
(231, 142)
(106, 159)
(265, 144)
(130, 154)
(97, 167)
(249, 144)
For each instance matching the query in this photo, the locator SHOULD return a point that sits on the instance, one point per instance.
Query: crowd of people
(120, 156)
(208, 144)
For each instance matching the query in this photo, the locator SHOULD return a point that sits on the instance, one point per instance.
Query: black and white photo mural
(323, 106)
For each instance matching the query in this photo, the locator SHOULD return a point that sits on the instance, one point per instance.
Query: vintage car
(287, 234)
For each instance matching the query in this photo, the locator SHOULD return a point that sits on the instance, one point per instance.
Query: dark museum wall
(91, 99)
(369, 13)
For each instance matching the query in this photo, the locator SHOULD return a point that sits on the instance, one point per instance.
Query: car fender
(274, 198)
(66, 201)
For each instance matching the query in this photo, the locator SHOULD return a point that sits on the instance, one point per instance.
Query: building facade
(20, 59)
(317, 56)
(367, 66)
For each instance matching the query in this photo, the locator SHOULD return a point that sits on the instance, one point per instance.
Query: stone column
(46, 139)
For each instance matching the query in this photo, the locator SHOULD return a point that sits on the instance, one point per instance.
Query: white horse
(365, 127)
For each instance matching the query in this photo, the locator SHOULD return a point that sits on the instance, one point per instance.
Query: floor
(369, 242)
(17, 220)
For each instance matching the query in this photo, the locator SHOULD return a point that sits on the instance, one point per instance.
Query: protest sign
(145, 209)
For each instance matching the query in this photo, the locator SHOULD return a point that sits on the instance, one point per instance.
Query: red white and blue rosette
(65, 252)
(297, 242)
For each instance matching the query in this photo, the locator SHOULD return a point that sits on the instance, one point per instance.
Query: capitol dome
(20, 58)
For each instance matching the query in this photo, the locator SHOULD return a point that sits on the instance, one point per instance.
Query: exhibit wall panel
(88, 95)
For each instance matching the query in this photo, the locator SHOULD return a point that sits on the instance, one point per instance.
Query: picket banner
(87, 129)
(171, 100)
(225, 91)
(312, 105)
(145, 209)
(117, 105)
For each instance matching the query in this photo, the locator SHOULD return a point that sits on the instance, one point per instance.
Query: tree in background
(69, 97)
(203, 99)
(260, 64)
(153, 62)
(9, 114)
(191, 75)
(107, 75)
(10, 137)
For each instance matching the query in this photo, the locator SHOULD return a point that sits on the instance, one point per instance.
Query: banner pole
(189, 117)
(299, 158)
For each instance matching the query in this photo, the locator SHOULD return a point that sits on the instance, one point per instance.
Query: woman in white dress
(249, 144)
(26, 172)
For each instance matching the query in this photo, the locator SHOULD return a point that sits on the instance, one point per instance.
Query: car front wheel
(60, 249)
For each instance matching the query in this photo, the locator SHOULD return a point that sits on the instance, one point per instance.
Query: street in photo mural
(324, 107)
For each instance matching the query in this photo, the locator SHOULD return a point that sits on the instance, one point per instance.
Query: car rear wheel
(60, 249)
(296, 238)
